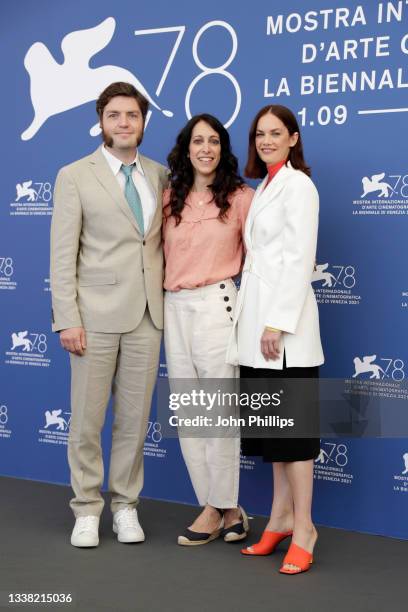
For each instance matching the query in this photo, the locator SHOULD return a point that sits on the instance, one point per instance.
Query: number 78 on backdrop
(206, 71)
(324, 115)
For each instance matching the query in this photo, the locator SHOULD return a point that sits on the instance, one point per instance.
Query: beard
(108, 140)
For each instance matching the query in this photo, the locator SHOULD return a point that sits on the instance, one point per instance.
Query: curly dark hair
(227, 178)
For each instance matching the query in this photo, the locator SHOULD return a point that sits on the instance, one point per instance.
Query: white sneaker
(127, 526)
(85, 532)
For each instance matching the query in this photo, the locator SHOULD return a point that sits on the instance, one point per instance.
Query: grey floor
(352, 571)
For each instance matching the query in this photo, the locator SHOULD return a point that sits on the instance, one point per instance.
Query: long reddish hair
(255, 167)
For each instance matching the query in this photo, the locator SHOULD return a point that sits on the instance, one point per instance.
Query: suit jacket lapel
(152, 177)
(251, 214)
(105, 176)
(254, 209)
(264, 196)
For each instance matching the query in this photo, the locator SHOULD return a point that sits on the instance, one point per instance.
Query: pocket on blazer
(96, 278)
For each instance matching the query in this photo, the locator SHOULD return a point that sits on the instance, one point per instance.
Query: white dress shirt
(141, 183)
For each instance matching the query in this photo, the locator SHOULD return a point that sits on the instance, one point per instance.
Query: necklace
(201, 201)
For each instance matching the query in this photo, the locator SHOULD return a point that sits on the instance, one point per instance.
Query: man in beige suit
(106, 282)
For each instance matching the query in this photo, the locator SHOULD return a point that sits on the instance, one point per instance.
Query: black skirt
(302, 397)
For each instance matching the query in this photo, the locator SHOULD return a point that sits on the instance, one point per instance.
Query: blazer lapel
(256, 202)
(152, 177)
(105, 176)
(265, 195)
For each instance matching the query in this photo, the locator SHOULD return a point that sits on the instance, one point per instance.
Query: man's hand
(73, 340)
(270, 344)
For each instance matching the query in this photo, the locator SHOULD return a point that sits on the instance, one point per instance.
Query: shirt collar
(115, 163)
(273, 169)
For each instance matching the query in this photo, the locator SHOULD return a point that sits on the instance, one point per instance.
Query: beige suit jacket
(103, 271)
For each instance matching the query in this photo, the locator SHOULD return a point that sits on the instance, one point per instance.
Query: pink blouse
(203, 249)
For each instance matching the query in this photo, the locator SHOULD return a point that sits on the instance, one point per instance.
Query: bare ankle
(305, 525)
(281, 523)
(211, 510)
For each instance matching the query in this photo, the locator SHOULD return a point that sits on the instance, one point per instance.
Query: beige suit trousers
(126, 365)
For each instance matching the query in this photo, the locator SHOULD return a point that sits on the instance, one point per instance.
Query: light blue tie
(132, 196)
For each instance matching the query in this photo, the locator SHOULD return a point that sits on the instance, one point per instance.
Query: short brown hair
(121, 89)
(255, 167)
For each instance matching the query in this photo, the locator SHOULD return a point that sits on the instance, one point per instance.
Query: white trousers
(197, 326)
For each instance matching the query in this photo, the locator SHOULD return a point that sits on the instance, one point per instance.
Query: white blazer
(276, 290)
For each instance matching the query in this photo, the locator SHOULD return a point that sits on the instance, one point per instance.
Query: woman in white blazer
(276, 324)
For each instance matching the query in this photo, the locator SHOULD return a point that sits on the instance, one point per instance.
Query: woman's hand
(270, 344)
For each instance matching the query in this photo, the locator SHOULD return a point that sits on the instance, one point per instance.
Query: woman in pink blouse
(204, 217)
